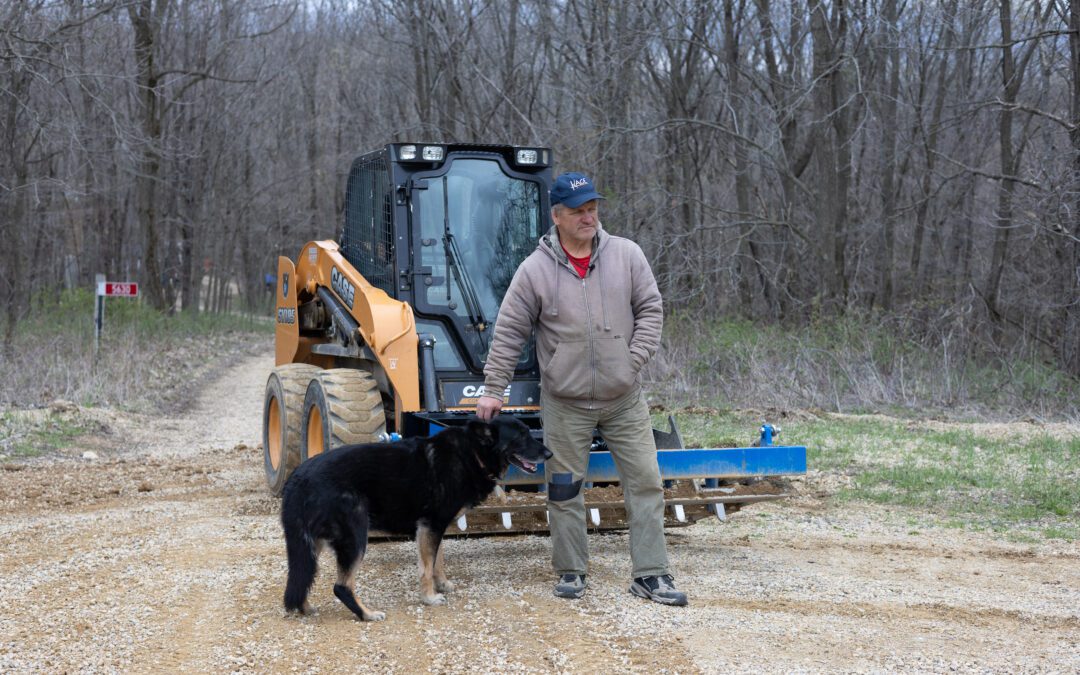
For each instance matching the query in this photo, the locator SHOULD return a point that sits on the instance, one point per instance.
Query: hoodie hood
(551, 245)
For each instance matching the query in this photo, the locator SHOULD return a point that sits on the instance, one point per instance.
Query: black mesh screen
(368, 238)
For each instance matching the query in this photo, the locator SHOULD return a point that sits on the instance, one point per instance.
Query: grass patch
(1065, 532)
(857, 365)
(146, 361)
(21, 437)
(1005, 480)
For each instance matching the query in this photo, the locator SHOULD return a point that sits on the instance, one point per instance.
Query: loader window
(367, 240)
(476, 226)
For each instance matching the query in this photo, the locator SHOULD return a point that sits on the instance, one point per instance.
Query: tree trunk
(888, 157)
(1005, 148)
(795, 158)
(14, 288)
(748, 261)
(1070, 341)
(945, 79)
(832, 151)
(146, 21)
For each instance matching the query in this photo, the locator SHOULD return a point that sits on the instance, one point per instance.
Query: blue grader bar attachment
(761, 460)
(698, 483)
(678, 464)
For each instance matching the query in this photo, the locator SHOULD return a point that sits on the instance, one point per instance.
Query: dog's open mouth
(523, 464)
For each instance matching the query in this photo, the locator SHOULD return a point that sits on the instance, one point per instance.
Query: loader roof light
(433, 153)
(531, 157)
(407, 152)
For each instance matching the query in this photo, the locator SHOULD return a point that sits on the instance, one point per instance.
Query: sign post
(99, 310)
(115, 289)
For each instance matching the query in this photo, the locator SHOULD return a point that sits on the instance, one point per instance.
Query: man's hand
(488, 407)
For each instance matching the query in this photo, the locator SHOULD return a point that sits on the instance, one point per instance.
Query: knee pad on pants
(563, 487)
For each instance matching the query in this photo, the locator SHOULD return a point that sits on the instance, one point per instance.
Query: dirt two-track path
(164, 554)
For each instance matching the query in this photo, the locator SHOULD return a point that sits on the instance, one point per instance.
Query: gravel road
(162, 552)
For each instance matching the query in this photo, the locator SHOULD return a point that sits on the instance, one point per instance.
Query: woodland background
(911, 164)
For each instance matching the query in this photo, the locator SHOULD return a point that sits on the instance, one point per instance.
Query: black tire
(342, 406)
(283, 407)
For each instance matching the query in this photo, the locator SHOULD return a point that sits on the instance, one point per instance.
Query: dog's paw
(444, 586)
(374, 616)
(437, 599)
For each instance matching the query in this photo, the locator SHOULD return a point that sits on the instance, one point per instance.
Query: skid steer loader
(384, 334)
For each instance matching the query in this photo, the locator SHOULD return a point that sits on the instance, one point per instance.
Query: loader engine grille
(367, 240)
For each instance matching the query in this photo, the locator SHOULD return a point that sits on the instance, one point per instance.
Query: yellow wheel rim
(274, 435)
(316, 443)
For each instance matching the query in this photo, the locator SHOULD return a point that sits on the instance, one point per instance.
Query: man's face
(577, 225)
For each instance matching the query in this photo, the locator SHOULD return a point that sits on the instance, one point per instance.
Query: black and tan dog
(414, 486)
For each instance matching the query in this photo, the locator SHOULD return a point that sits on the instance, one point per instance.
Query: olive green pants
(568, 433)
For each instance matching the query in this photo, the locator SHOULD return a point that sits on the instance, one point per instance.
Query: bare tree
(780, 160)
(888, 107)
(834, 112)
(1070, 339)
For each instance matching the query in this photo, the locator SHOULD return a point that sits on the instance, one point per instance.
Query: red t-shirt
(580, 264)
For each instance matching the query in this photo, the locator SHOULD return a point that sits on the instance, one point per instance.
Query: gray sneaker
(570, 586)
(658, 589)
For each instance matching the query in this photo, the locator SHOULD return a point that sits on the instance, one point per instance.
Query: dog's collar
(483, 465)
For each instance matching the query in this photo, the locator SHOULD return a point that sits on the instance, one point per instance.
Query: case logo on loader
(470, 394)
(342, 286)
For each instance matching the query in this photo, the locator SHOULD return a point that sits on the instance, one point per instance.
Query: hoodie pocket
(615, 371)
(569, 373)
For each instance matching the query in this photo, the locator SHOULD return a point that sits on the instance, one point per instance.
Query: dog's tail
(302, 564)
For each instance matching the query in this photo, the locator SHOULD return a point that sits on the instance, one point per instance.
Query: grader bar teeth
(685, 502)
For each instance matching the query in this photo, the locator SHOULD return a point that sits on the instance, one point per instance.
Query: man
(592, 301)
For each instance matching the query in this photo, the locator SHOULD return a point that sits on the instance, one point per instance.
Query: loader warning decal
(342, 286)
(285, 285)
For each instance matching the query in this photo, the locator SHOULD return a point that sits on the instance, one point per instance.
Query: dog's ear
(508, 429)
(483, 430)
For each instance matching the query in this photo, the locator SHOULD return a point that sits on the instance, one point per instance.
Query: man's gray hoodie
(593, 334)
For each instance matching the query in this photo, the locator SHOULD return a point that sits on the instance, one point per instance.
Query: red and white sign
(118, 289)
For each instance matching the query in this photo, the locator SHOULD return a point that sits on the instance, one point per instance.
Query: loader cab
(444, 227)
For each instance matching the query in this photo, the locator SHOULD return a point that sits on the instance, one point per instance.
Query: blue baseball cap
(573, 190)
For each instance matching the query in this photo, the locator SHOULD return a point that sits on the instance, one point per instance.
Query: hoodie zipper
(592, 343)
(588, 319)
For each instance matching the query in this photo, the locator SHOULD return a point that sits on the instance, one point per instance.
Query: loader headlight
(421, 153)
(531, 156)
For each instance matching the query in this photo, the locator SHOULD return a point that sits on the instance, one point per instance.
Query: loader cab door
(368, 237)
(474, 220)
